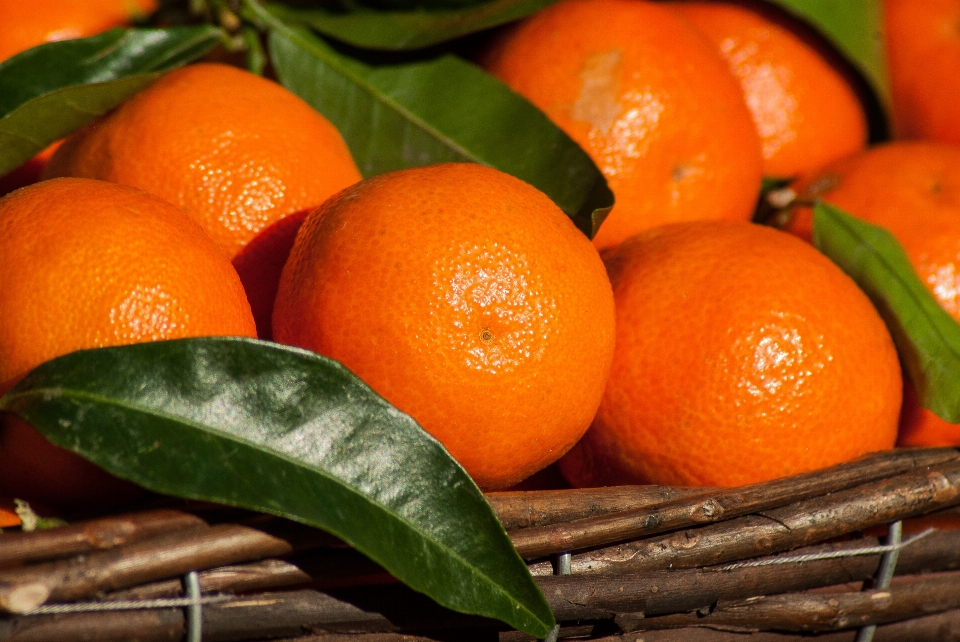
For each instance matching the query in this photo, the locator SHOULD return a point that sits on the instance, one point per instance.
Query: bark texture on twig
(266, 615)
(780, 529)
(664, 592)
(169, 555)
(941, 627)
(536, 542)
(525, 509)
(93, 535)
(241, 578)
(807, 612)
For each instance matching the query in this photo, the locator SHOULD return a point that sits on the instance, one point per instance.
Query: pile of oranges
(686, 344)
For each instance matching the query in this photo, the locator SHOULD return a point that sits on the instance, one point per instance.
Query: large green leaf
(288, 432)
(927, 338)
(412, 29)
(443, 109)
(855, 28)
(51, 90)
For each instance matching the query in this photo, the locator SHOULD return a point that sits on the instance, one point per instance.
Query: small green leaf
(288, 432)
(51, 90)
(855, 28)
(412, 29)
(438, 110)
(927, 337)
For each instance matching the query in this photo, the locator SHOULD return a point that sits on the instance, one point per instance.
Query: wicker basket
(812, 554)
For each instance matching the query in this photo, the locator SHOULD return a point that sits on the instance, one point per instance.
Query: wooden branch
(98, 534)
(169, 555)
(290, 614)
(942, 627)
(800, 524)
(255, 617)
(662, 592)
(808, 612)
(525, 509)
(536, 542)
(240, 578)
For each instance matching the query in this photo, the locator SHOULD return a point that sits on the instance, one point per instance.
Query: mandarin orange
(912, 189)
(467, 299)
(806, 112)
(235, 151)
(743, 355)
(86, 264)
(649, 98)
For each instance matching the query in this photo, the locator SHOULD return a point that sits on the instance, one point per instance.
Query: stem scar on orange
(467, 299)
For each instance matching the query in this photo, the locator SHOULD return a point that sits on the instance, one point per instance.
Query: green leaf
(927, 337)
(51, 90)
(444, 109)
(413, 29)
(285, 431)
(854, 27)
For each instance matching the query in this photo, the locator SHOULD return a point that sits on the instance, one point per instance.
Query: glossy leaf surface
(411, 29)
(51, 90)
(927, 337)
(442, 109)
(288, 432)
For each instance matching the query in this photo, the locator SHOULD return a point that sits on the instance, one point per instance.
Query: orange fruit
(911, 188)
(923, 55)
(743, 355)
(27, 24)
(87, 264)
(235, 151)
(467, 299)
(804, 108)
(651, 101)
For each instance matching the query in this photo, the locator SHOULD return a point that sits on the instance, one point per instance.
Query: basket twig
(800, 524)
(722, 505)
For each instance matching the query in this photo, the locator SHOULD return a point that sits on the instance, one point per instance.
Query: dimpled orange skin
(28, 23)
(923, 56)
(805, 111)
(467, 299)
(743, 355)
(911, 188)
(651, 101)
(87, 264)
(235, 151)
